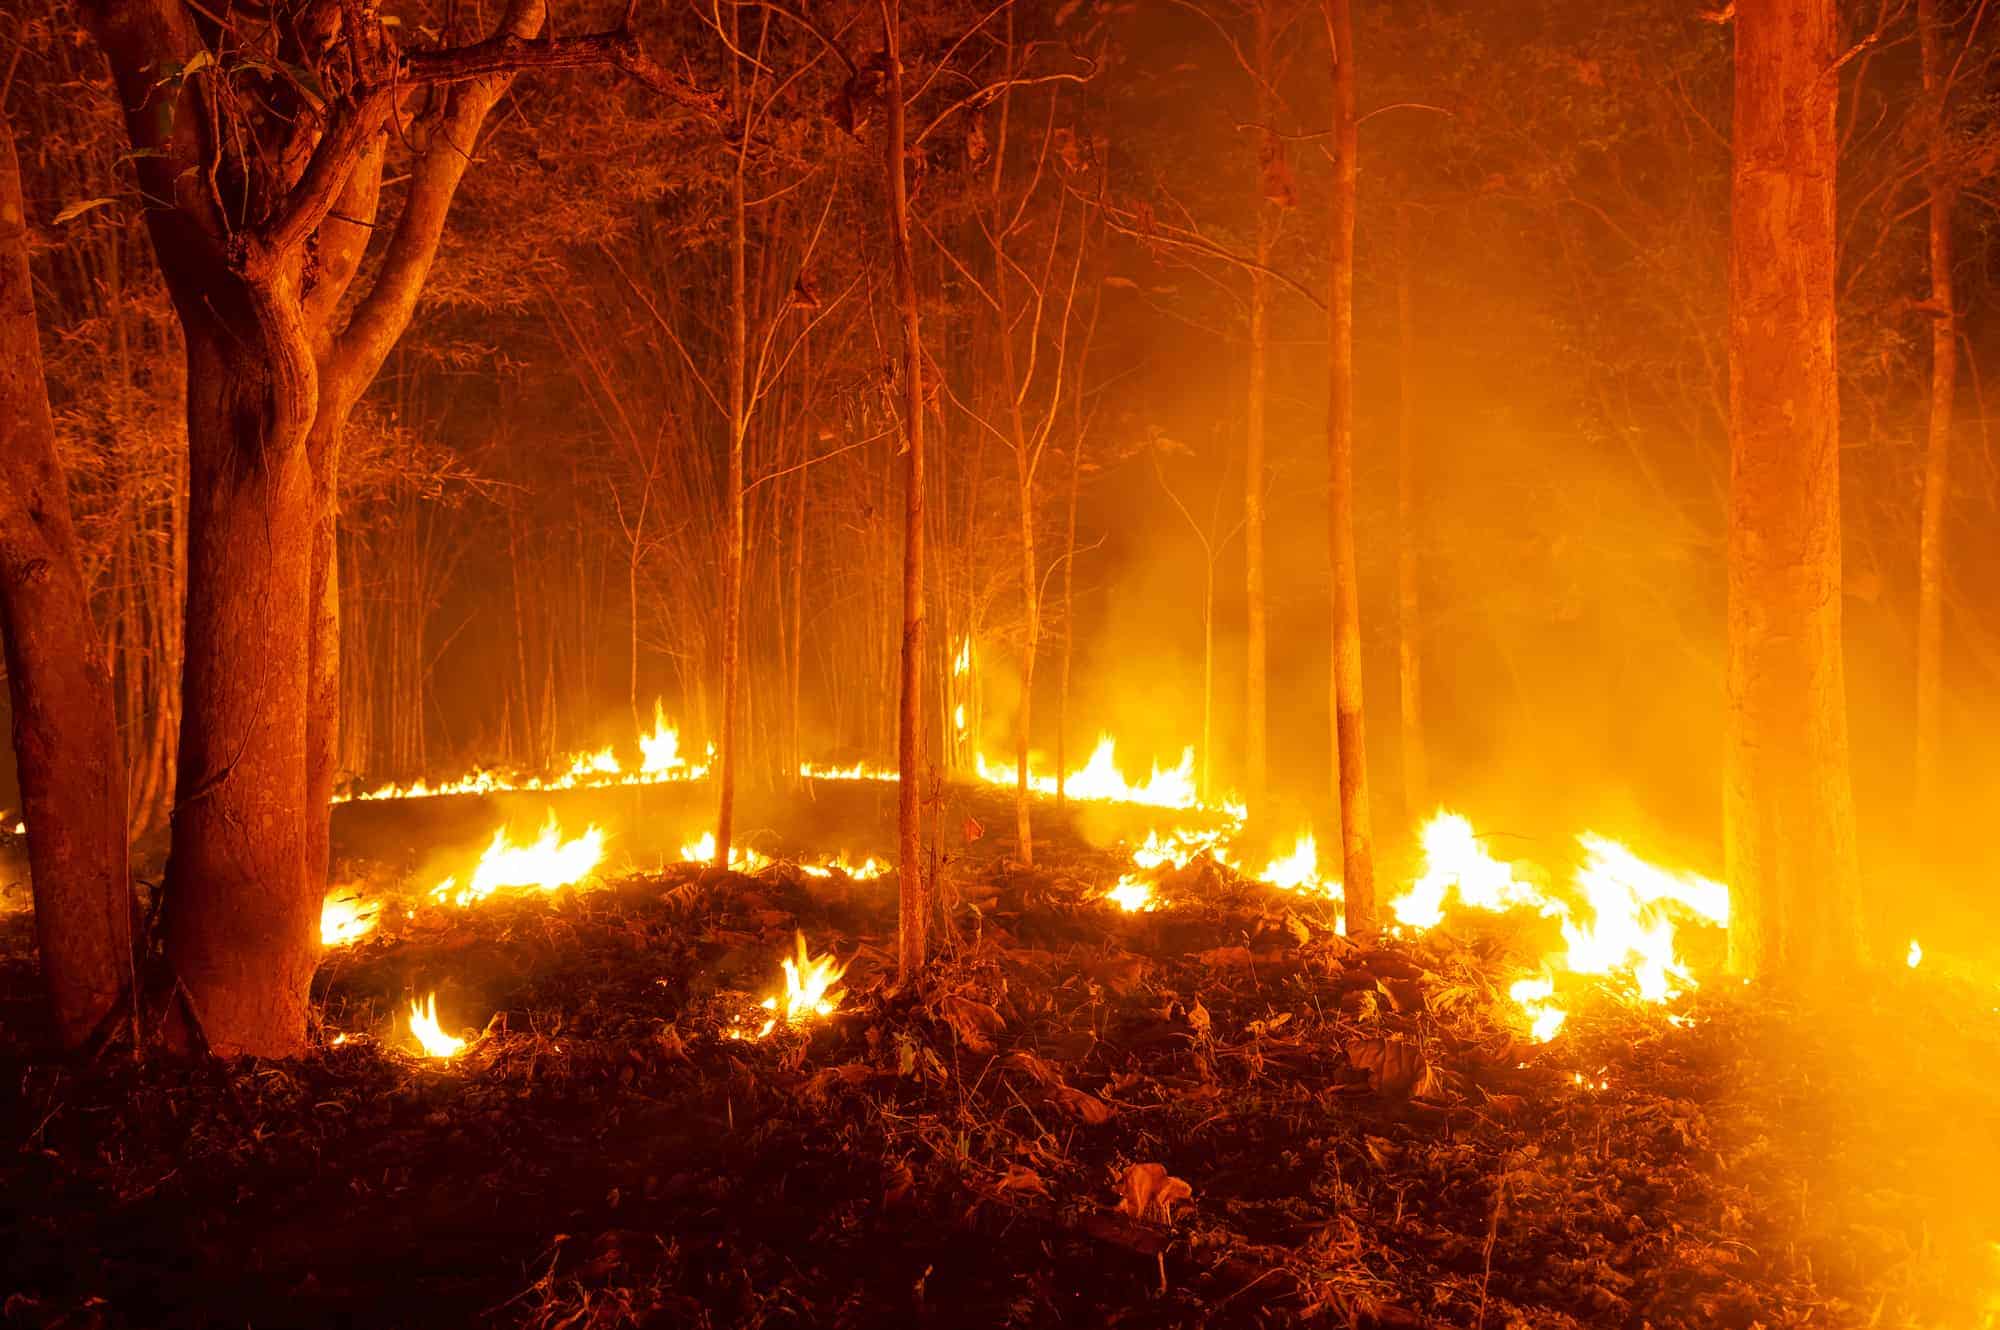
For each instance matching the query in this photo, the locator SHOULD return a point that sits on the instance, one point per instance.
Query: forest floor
(1218, 1114)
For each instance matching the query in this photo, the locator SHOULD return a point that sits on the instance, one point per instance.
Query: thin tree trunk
(1256, 727)
(66, 748)
(1409, 541)
(1937, 452)
(914, 888)
(1068, 594)
(1788, 803)
(1350, 744)
(732, 606)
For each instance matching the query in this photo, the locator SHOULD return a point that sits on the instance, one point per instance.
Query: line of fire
(1015, 663)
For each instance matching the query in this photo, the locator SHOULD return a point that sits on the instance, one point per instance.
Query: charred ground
(1363, 1135)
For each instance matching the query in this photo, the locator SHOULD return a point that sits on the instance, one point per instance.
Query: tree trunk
(66, 747)
(914, 888)
(1069, 596)
(1788, 803)
(1937, 452)
(732, 598)
(242, 913)
(1256, 700)
(1350, 745)
(1409, 573)
(1031, 630)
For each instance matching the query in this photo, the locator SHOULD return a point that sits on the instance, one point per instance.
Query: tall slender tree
(1357, 848)
(914, 888)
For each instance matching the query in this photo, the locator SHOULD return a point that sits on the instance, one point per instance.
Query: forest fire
(1312, 663)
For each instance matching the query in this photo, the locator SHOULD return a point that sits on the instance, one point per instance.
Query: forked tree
(258, 139)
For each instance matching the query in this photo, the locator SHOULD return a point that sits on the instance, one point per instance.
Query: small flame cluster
(810, 993)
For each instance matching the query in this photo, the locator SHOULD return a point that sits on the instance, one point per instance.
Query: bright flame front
(546, 863)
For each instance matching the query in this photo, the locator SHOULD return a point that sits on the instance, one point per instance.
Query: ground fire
(922, 663)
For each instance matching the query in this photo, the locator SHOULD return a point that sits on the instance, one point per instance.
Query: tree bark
(1788, 804)
(242, 915)
(1350, 745)
(914, 888)
(1937, 450)
(66, 749)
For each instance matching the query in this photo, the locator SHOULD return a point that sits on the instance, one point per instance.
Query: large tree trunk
(66, 747)
(1788, 804)
(1357, 850)
(913, 884)
(1409, 521)
(242, 914)
(1937, 452)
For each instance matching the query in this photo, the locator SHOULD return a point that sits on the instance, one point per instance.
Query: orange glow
(1299, 870)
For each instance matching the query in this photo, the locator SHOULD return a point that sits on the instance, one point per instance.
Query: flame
(1625, 926)
(660, 761)
(1916, 956)
(809, 992)
(1536, 997)
(1181, 846)
(963, 661)
(1455, 860)
(858, 771)
(1299, 870)
(1133, 894)
(1632, 906)
(345, 917)
(741, 858)
(545, 864)
(958, 718)
(424, 1025)
(867, 870)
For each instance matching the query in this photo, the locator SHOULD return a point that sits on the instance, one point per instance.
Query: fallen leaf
(1224, 957)
(1082, 1103)
(1393, 1067)
(1023, 1180)
(1149, 1192)
(973, 1021)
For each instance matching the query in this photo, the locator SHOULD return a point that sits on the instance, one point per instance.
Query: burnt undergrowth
(1218, 1114)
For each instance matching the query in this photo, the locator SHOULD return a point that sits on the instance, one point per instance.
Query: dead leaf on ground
(1150, 1193)
(973, 1021)
(1121, 973)
(1043, 1072)
(1026, 1180)
(1393, 1067)
(1224, 957)
(1082, 1103)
